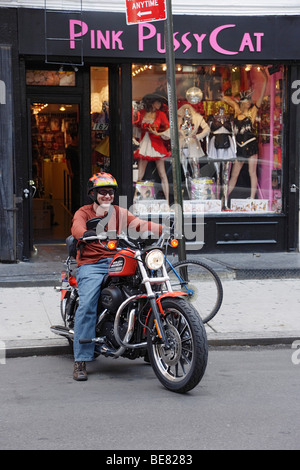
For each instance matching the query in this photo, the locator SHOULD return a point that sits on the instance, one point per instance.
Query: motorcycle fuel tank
(123, 264)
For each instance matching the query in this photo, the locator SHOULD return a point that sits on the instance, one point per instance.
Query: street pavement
(260, 305)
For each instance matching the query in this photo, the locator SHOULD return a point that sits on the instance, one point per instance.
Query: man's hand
(90, 233)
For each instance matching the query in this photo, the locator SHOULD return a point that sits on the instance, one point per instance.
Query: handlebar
(107, 236)
(132, 243)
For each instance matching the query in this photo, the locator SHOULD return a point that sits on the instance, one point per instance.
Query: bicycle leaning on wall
(200, 281)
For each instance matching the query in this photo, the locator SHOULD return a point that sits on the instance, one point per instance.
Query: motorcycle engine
(111, 298)
(107, 329)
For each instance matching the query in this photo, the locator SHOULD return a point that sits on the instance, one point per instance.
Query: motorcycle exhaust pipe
(62, 331)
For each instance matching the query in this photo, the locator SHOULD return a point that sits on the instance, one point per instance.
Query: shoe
(80, 373)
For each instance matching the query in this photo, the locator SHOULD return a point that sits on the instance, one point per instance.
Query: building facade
(75, 83)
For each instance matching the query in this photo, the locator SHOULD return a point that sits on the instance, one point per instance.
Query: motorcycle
(139, 315)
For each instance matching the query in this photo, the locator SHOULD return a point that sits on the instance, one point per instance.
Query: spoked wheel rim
(176, 363)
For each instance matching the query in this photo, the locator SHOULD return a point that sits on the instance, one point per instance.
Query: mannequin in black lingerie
(247, 145)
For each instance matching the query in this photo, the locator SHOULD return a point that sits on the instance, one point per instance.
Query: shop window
(50, 78)
(100, 119)
(230, 138)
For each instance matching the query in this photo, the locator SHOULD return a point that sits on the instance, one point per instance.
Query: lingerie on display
(221, 143)
(245, 138)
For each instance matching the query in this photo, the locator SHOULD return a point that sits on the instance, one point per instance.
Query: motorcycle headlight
(155, 259)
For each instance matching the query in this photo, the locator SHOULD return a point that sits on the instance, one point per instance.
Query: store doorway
(55, 170)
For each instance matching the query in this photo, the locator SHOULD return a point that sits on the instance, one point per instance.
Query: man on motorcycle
(93, 259)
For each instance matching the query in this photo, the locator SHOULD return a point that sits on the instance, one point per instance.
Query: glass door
(100, 125)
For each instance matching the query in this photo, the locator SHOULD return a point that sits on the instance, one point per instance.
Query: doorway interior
(55, 170)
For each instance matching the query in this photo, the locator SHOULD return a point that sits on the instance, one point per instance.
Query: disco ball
(194, 95)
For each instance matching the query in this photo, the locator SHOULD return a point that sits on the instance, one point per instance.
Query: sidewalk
(45, 266)
(260, 306)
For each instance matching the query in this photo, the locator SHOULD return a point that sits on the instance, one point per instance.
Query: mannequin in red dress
(155, 127)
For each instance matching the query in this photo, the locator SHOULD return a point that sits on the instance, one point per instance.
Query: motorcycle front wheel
(181, 367)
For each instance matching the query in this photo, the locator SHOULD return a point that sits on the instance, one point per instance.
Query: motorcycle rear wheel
(181, 368)
(68, 307)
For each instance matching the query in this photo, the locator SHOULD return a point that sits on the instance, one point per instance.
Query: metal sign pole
(172, 99)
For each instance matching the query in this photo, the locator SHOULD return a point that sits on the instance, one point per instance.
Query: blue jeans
(89, 280)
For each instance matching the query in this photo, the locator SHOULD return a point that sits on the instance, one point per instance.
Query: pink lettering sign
(84, 29)
(111, 40)
(213, 39)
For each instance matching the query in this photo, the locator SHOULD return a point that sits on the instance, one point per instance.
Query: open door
(55, 170)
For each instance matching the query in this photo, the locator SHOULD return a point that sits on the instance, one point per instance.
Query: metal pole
(172, 99)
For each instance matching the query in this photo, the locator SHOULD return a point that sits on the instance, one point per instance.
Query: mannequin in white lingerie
(221, 149)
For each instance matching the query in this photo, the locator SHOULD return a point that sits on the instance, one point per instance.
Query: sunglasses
(105, 192)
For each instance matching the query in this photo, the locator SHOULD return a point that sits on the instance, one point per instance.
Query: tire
(201, 283)
(68, 307)
(182, 367)
(63, 304)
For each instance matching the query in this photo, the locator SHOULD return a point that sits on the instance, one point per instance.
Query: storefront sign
(115, 40)
(146, 10)
(187, 41)
(195, 37)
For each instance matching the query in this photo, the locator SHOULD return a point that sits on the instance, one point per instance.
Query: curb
(238, 274)
(47, 348)
(284, 273)
(253, 341)
(8, 283)
(14, 349)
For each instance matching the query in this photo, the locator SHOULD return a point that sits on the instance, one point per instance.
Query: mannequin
(154, 126)
(101, 153)
(189, 124)
(247, 145)
(221, 149)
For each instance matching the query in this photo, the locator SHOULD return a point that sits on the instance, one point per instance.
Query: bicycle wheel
(202, 285)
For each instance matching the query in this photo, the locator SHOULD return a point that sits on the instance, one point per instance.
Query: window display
(50, 78)
(154, 127)
(230, 138)
(100, 119)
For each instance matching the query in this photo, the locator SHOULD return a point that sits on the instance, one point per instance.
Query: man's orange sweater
(121, 220)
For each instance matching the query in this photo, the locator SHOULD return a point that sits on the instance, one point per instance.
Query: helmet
(100, 180)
